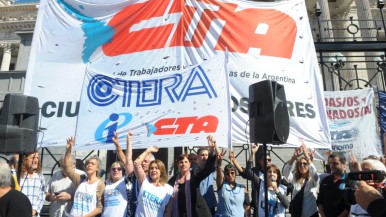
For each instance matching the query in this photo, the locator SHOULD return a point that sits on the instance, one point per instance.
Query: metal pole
(265, 180)
(383, 21)
(339, 80)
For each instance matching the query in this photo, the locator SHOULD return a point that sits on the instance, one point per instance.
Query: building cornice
(18, 8)
(18, 25)
(18, 17)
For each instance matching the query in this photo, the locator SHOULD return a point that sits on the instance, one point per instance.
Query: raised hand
(70, 142)
(312, 155)
(354, 165)
(222, 154)
(130, 135)
(116, 139)
(152, 149)
(231, 155)
(211, 141)
(255, 148)
(297, 152)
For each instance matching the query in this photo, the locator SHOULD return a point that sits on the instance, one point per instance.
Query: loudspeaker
(19, 120)
(268, 114)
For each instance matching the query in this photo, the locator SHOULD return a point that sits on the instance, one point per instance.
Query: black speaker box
(19, 120)
(268, 113)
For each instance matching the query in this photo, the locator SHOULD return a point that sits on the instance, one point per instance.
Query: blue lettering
(112, 128)
(100, 133)
(103, 90)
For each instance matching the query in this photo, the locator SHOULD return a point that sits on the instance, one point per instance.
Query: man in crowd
(60, 191)
(331, 201)
(206, 185)
(12, 203)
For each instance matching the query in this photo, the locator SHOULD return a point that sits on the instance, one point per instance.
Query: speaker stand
(19, 165)
(265, 180)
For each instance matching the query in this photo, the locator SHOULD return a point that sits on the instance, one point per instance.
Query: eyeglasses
(269, 159)
(230, 173)
(115, 169)
(303, 164)
(371, 157)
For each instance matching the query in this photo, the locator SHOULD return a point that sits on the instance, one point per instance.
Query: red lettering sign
(154, 25)
(186, 125)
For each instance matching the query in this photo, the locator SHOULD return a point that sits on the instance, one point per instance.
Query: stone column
(6, 57)
(368, 30)
(327, 35)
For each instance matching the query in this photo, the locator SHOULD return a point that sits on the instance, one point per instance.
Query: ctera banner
(165, 110)
(141, 40)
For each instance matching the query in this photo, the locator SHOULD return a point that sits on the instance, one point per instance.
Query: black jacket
(199, 206)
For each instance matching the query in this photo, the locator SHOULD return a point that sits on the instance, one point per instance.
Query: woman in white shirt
(303, 171)
(88, 195)
(118, 190)
(155, 192)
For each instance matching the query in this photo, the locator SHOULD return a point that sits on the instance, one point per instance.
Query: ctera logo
(105, 131)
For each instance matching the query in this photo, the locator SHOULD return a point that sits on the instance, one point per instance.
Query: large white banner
(165, 110)
(138, 39)
(353, 122)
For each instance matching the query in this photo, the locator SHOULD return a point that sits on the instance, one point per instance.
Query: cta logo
(209, 24)
(186, 125)
(105, 131)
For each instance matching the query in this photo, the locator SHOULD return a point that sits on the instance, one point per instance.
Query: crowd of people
(142, 188)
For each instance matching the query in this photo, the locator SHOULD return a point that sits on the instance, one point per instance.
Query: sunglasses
(269, 159)
(303, 164)
(230, 173)
(115, 169)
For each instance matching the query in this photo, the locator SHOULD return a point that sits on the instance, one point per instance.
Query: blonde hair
(296, 171)
(161, 166)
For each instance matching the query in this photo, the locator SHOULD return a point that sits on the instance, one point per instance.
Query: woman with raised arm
(187, 199)
(117, 197)
(277, 199)
(233, 197)
(304, 176)
(155, 192)
(88, 195)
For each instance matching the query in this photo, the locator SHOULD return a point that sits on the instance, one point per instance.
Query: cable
(245, 131)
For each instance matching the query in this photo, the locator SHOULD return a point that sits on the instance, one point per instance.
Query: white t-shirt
(275, 208)
(85, 199)
(115, 199)
(357, 210)
(58, 183)
(152, 199)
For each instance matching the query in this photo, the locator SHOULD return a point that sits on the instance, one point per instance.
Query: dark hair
(341, 157)
(202, 149)
(260, 154)
(181, 157)
(276, 169)
(230, 167)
